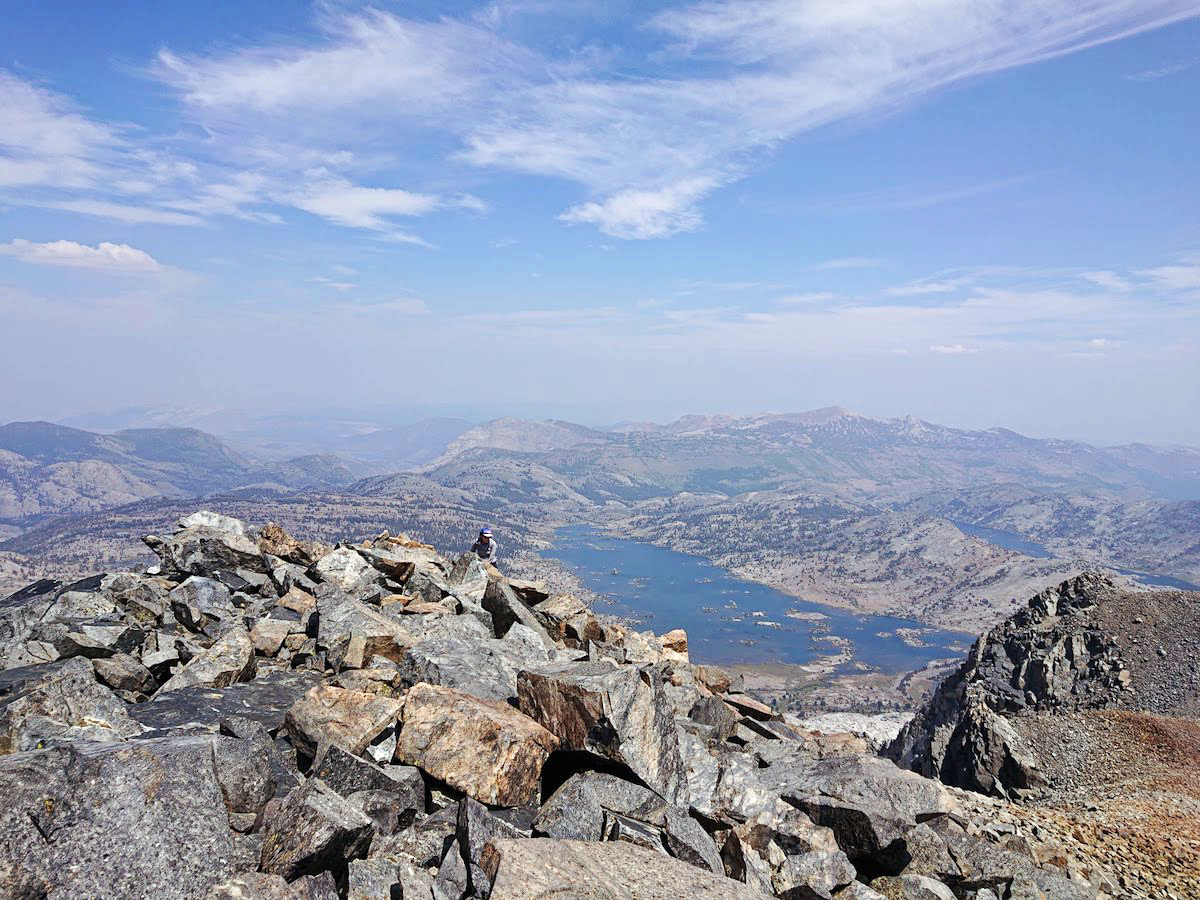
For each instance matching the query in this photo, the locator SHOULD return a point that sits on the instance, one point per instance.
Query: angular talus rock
(348, 719)
(61, 704)
(621, 714)
(486, 749)
(229, 660)
(508, 609)
(122, 672)
(205, 541)
(867, 801)
(315, 830)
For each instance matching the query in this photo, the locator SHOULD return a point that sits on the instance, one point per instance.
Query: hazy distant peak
(822, 416)
(519, 436)
(694, 423)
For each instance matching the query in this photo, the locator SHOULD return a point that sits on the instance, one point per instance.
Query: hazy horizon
(978, 214)
(235, 424)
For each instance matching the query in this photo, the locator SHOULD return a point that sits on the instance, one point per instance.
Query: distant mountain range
(50, 470)
(827, 504)
(830, 451)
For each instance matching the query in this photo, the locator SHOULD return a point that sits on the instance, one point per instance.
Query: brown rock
(268, 635)
(484, 748)
(675, 645)
(347, 719)
(716, 680)
(297, 601)
(122, 672)
(426, 608)
(341, 617)
(748, 706)
(274, 540)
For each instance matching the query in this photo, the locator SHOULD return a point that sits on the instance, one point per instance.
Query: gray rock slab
(348, 774)
(229, 660)
(117, 816)
(537, 869)
(65, 704)
(867, 801)
(507, 609)
(573, 812)
(264, 700)
(315, 830)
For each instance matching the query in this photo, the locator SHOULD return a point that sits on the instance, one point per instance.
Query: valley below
(840, 562)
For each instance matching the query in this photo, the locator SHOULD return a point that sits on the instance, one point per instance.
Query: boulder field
(263, 718)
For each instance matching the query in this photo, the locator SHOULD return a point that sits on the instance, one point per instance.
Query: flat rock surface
(144, 819)
(265, 699)
(538, 869)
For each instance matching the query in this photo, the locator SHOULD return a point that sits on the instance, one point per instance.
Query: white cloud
(952, 349)
(422, 67)
(357, 206)
(1183, 276)
(927, 286)
(723, 83)
(1161, 71)
(122, 212)
(1108, 280)
(360, 207)
(335, 284)
(849, 262)
(1103, 344)
(646, 213)
(105, 257)
(43, 140)
(807, 299)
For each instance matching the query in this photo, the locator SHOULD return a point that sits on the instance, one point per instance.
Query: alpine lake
(731, 621)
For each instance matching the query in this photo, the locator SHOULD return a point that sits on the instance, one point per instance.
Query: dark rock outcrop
(1047, 657)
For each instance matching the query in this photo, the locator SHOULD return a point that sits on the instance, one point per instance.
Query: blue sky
(980, 213)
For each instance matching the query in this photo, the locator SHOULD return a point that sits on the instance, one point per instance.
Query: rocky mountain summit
(1086, 702)
(262, 718)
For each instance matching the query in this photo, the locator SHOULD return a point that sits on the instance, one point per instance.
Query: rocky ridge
(1084, 707)
(261, 717)
(1046, 657)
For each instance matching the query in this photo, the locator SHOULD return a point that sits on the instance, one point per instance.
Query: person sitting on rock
(485, 546)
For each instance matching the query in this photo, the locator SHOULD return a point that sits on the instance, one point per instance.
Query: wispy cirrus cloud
(849, 262)
(718, 86)
(1181, 276)
(721, 84)
(53, 156)
(130, 214)
(1105, 279)
(927, 286)
(44, 138)
(1163, 71)
(903, 199)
